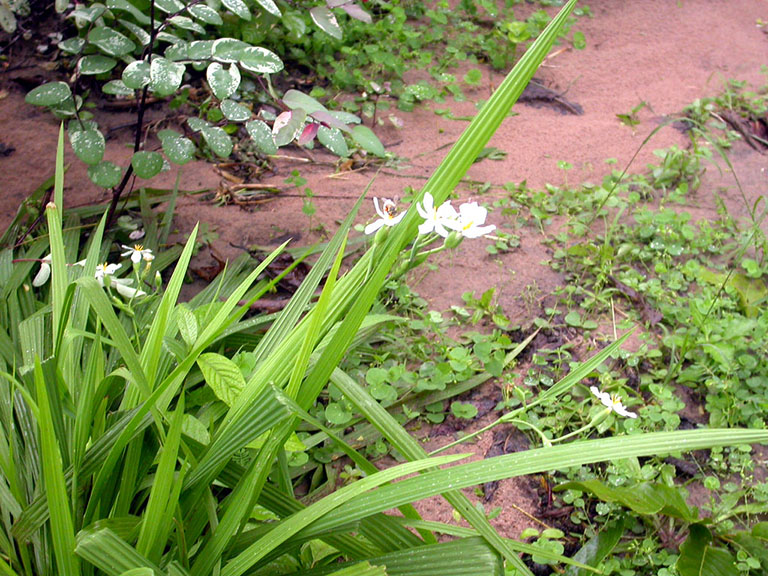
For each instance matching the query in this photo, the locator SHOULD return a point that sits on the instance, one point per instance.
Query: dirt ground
(660, 52)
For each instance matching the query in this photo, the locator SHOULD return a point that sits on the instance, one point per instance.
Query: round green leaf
(270, 7)
(260, 60)
(136, 74)
(367, 140)
(200, 49)
(326, 21)
(169, 6)
(196, 124)
(223, 81)
(333, 139)
(147, 164)
(72, 45)
(337, 415)
(228, 49)
(234, 111)
(218, 140)
(96, 64)
(110, 41)
(88, 145)
(165, 76)
(238, 7)
(117, 88)
(187, 24)
(178, 149)
(105, 174)
(49, 94)
(206, 14)
(261, 135)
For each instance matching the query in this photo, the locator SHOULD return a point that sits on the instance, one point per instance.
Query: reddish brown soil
(664, 53)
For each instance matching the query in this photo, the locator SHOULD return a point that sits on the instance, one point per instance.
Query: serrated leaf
(177, 148)
(238, 7)
(165, 76)
(326, 21)
(196, 430)
(222, 375)
(147, 164)
(261, 135)
(367, 140)
(699, 558)
(228, 50)
(49, 94)
(88, 145)
(260, 60)
(136, 75)
(287, 126)
(105, 174)
(206, 14)
(186, 321)
(218, 140)
(111, 41)
(333, 139)
(223, 81)
(96, 64)
(116, 88)
(234, 111)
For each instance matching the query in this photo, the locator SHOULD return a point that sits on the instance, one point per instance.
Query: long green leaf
(110, 553)
(62, 527)
(295, 523)
(536, 461)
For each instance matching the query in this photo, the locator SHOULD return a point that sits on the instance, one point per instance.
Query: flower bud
(453, 239)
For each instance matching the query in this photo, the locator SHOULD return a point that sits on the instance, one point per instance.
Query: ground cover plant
(181, 422)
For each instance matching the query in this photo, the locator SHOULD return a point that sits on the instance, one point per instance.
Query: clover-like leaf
(49, 94)
(105, 174)
(177, 148)
(147, 164)
(234, 111)
(111, 41)
(88, 145)
(137, 74)
(218, 140)
(223, 81)
(165, 76)
(261, 135)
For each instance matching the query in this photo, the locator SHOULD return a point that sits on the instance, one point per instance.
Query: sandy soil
(661, 52)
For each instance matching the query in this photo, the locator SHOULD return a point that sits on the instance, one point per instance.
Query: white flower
(137, 253)
(436, 219)
(44, 273)
(137, 234)
(122, 285)
(470, 222)
(105, 270)
(612, 402)
(388, 216)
